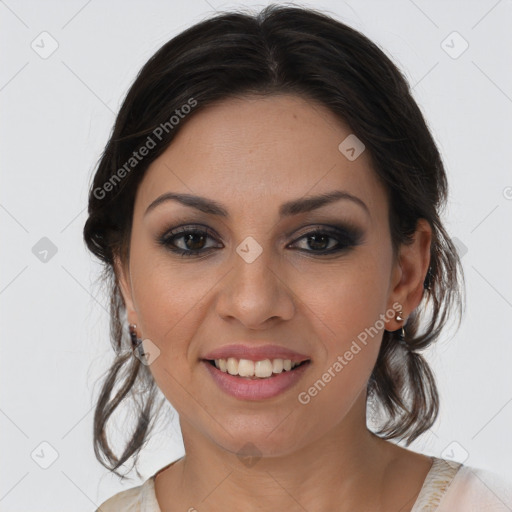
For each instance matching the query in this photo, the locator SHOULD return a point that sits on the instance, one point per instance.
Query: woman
(267, 209)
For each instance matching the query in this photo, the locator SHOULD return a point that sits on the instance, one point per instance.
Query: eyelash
(346, 236)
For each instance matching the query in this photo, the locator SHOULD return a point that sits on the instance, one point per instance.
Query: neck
(342, 470)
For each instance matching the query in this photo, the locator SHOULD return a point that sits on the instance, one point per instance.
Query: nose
(255, 294)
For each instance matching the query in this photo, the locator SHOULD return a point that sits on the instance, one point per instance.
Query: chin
(259, 441)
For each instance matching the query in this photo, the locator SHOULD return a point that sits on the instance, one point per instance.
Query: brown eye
(187, 241)
(329, 240)
(319, 241)
(192, 241)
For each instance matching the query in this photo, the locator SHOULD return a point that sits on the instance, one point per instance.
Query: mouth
(249, 386)
(256, 370)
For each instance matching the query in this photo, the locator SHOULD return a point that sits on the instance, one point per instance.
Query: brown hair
(301, 51)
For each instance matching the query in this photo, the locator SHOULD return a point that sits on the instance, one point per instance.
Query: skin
(252, 154)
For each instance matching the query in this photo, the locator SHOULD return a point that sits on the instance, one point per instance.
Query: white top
(448, 487)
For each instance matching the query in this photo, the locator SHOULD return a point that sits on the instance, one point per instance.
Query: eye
(193, 240)
(323, 240)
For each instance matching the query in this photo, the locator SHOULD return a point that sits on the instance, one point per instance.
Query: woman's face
(258, 279)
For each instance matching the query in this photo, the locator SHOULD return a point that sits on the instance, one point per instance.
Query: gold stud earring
(401, 336)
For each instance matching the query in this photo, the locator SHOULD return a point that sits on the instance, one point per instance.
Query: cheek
(351, 333)
(169, 298)
(349, 302)
(348, 318)
(168, 308)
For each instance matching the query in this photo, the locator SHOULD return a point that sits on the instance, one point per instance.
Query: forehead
(250, 150)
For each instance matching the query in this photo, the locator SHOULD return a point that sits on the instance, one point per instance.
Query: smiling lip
(255, 389)
(239, 351)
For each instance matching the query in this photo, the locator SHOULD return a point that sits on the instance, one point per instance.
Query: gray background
(57, 113)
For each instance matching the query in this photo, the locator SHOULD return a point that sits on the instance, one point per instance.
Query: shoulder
(453, 487)
(125, 501)
(136, 499)
(476, 489)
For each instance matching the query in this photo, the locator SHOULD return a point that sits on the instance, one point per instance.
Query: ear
(409, 272)
(122, 273)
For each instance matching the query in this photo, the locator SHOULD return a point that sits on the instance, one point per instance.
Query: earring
(401, 336)
(136, 342)
(428, 279)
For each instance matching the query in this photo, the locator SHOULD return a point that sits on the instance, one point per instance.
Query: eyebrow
(294, 207)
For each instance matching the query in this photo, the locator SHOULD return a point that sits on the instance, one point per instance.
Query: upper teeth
(248, 368)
